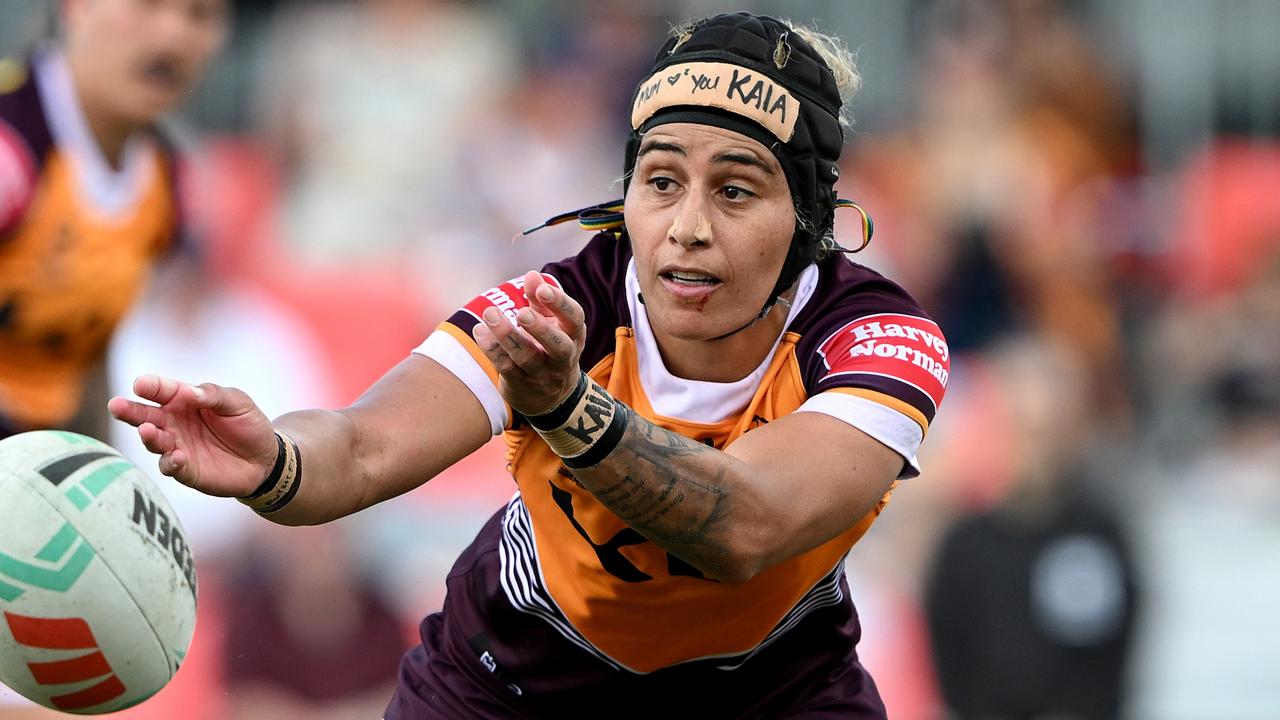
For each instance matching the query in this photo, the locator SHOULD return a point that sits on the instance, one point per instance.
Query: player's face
(140, 58)
(710, 217)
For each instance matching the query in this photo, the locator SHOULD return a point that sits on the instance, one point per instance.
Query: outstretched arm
(779, 491)
(417, 420)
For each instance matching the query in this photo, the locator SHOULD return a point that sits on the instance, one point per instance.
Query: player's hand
(211, 438)
(538, 356)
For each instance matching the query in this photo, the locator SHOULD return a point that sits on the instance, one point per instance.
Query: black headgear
(754, 75)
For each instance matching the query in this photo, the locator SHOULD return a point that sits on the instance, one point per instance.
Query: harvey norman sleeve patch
(894, 347)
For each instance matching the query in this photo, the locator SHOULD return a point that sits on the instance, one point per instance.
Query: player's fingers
(564, 308)
(155, 388)
(174, 464)
(546, 331)
(134, 413)
(525, 351)
(533, 281)
(517, 344)
(156, 440)
(488, 345)
(487, 342)
(221, 400)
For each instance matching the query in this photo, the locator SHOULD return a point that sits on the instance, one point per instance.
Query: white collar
(110, 191)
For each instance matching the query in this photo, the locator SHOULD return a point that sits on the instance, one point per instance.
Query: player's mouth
(164, 73)
(688, 284)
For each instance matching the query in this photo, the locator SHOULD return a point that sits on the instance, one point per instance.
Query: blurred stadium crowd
(1086, 195)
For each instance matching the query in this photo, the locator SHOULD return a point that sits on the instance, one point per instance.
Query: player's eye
(662, 184)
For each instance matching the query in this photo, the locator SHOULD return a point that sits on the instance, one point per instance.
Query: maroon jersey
(608, 603)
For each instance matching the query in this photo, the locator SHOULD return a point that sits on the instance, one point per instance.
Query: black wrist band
(558, 415)
(282, 482)
(273, 477)
(607, 442)
(293, 489)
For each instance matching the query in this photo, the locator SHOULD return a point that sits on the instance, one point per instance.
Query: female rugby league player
(705, 409)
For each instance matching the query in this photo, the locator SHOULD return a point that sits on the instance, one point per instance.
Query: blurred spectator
(309, 639)
(993, 197)
(552, 162)
(368, 103)
(1211, 520)
(556, 137)
(1032, 604)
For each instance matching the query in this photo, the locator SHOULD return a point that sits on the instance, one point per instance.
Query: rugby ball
(97, 585)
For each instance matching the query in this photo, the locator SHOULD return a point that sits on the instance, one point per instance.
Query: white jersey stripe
(521, 581)
(825, 593)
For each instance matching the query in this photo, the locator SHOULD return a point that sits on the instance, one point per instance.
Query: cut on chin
(692, 321)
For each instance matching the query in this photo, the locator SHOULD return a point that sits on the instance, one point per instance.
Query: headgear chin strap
(753, 75)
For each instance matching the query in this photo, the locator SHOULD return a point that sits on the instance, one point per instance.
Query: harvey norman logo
(904, 347)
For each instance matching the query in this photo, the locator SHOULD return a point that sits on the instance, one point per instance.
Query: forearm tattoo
(668, 487)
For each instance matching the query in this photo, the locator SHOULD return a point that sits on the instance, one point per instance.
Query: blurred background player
(88, 193)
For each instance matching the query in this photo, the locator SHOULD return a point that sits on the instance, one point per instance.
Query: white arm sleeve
(446, 350)
(889, 427)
